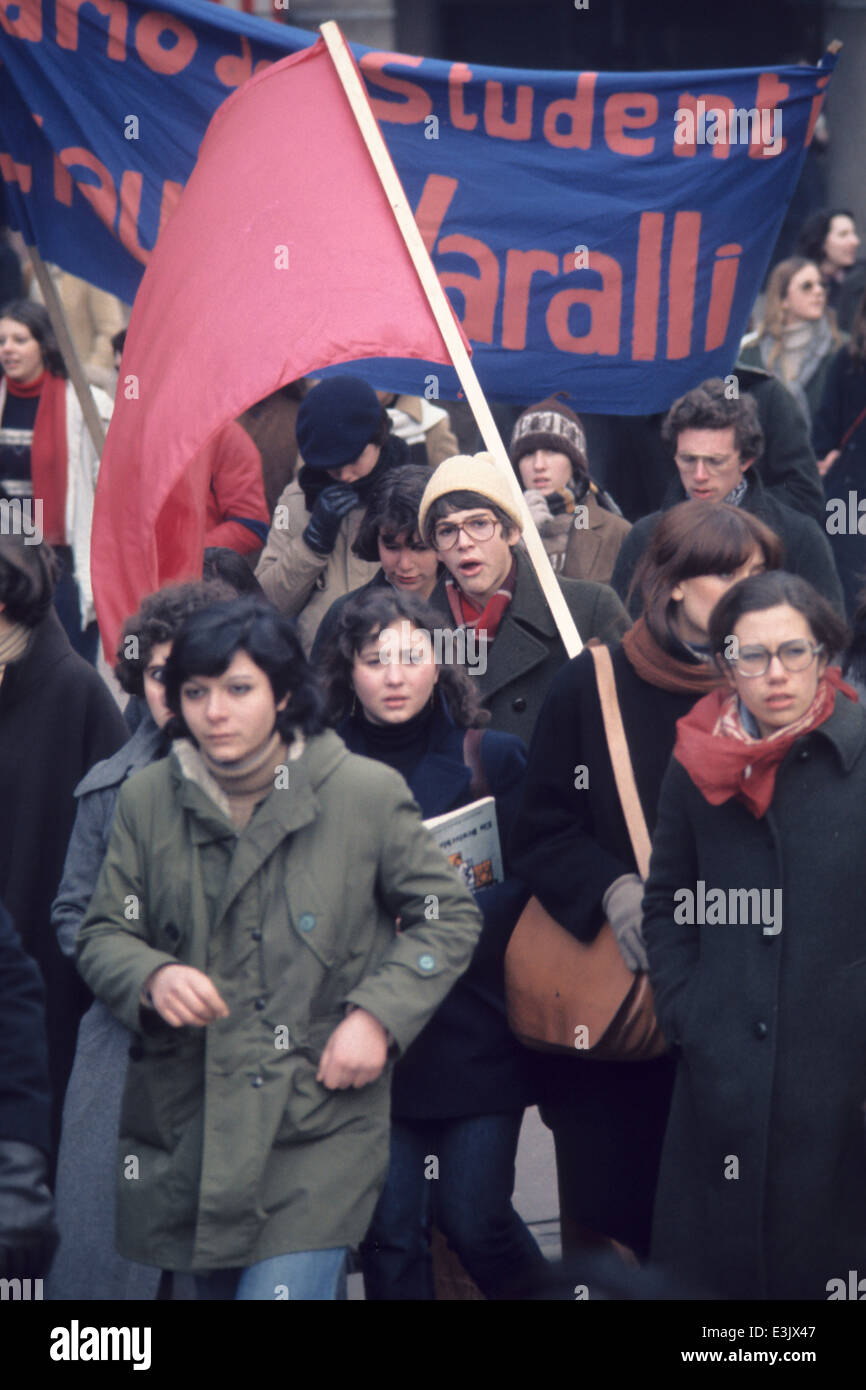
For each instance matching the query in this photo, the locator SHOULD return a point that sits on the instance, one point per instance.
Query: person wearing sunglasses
(469, 517)
(753, 921)
(797, 335)
(715, 442)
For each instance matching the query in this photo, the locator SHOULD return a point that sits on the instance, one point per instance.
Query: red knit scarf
(49, 464)
(724, 761)
(486, 620)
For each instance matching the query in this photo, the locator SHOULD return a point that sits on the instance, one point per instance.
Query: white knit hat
(470, 473)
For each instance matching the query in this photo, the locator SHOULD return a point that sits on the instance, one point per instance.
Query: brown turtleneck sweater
(249, 780)
(13, 642)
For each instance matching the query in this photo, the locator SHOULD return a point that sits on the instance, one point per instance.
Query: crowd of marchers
(256, 1030)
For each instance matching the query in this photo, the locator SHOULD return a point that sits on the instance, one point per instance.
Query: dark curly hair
(207, 643)
(28, 578)
(392, 509)
(159, 619)
(813, 233)
(363, 617)
(706, 407)
(35, 317)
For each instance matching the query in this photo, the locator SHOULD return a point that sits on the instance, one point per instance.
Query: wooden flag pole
(67, 348)
(444, 316)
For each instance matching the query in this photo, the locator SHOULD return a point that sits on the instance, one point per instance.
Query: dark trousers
(66, 601)
(459, 1172)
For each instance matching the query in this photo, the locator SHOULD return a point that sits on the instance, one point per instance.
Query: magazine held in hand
(469, 837)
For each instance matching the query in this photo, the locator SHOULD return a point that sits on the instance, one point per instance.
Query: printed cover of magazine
(470, 839)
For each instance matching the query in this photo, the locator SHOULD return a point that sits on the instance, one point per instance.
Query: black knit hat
(336, 421)
(550, 425)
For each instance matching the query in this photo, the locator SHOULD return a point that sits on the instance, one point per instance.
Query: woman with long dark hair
(460, 1091)
(572, 848)
(243, 927)
(754, 927)
(47, 460)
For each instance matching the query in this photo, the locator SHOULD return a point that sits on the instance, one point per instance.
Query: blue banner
(603, 234)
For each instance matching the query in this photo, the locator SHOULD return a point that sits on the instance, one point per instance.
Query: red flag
(283, 256)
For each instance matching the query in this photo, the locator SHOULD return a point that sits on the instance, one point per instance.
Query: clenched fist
(355, 1053)
(183, 995)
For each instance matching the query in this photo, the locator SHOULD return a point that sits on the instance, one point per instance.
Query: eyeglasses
(794, 656)
(691, 461)
(809, 285)
(477, 528)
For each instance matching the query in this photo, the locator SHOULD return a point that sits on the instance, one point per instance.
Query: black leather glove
(331, 505)
(28, 1235)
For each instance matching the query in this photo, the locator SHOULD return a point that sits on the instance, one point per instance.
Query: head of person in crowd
(237, 678)
(548, 451)
(118, 343)
(146, 639)
(829, 239)
(697, 551)
(389, 534)
(28, 346)
(795, 295)
(342, 430)
(383, 659)
(28, 575)
(773, 636)
(468, 516)
(227, 565)
(714, 440)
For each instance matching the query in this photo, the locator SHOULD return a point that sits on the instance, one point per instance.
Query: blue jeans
(460, 1173)
(85, 641)
(307, 1275)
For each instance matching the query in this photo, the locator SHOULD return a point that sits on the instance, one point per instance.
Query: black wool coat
(25, 1098)
(762, 1192)
(57, 718)
(630, 459)
(466, 1061)
(569, 845)
(527, 650)
(843, 399)
(807, 549)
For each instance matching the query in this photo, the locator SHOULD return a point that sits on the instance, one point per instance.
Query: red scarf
(49, 464)
(486, 620)
(723, 760)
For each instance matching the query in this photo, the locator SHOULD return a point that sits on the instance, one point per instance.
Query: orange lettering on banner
(815, 110)
(647, 287)
(418, 104)
(114, 10)
(62, 179)
(722, 294)
(722, 148)
(605, 307)
(27, 22)
(520, 266)
(617, 117)
(771, 92)
(682, 274)
(22, 174)
(234, 71)
(578, 112)
(169, 61)
(459, 74)
(494, 124)
(480, 292)
(432, 206)
(103, 199)
(130, 208)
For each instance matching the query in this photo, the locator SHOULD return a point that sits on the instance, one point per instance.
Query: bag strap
(478, 785)
(621, 759)
(852, 429)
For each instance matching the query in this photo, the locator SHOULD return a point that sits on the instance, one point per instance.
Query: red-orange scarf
(49, 463)
(486, 620)
(724, 761)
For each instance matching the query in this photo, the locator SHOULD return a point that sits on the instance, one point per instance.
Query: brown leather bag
(565, 995)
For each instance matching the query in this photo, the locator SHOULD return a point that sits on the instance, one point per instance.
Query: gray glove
(331, 505)
(622, 907)
(28, 1235)
(538, 508)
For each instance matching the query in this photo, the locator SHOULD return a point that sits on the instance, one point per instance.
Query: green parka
(230, 1151)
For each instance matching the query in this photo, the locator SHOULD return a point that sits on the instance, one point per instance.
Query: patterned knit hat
(550, 425)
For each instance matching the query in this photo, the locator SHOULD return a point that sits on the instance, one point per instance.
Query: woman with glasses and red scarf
(754, 924)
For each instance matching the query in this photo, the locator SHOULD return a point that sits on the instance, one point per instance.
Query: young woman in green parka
(243, 927)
